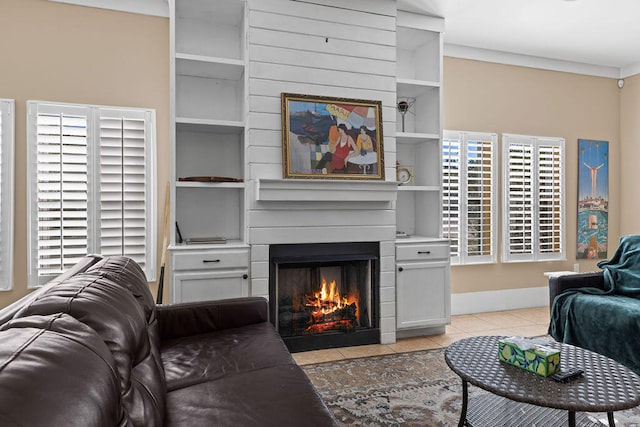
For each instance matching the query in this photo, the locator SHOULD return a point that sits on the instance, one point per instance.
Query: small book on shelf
(204, 240)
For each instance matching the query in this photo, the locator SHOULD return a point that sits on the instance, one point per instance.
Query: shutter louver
(62, 191)
(123, 196)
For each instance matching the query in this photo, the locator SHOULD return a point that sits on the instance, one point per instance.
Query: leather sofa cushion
(277, 396)
(44, 357)
(198, 358)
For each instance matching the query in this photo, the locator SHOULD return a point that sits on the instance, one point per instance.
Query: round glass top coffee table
(605, 386)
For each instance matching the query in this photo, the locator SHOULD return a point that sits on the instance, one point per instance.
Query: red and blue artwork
(331, 137)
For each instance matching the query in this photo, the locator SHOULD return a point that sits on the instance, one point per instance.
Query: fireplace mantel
(307, 190)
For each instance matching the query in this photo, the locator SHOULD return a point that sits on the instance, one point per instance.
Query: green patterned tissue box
(529, 354)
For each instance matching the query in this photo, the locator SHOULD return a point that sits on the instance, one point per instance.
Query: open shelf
(416, 138)
(192, 124)
(210, 28)
(209, 66)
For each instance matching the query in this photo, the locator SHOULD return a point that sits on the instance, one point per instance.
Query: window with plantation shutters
(6, 185)
(469, 196)
(533, 198)
(91, 190)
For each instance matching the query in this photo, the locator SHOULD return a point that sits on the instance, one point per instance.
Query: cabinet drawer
(422, 252)
(206, 260)
(209, 285)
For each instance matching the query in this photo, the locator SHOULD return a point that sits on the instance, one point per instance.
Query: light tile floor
(522, 322)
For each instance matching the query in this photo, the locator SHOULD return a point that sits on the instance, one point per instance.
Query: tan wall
(488, 97)
(630, 156)
(58, 52)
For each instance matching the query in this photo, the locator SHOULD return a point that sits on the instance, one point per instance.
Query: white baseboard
(510, 299)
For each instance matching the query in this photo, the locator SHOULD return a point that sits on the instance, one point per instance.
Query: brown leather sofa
(91, 348)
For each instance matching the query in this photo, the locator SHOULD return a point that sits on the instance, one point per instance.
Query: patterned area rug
(408, 389)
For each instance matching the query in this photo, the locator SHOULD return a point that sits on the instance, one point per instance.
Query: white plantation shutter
(93, 188)
(533, 198)
(60, 189)
(123, 184)
(550, 199)
(6, 186)
(469, 196)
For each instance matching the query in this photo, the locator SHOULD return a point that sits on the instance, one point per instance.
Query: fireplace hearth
(325, 295)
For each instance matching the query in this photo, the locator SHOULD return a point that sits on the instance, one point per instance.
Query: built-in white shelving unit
(208, 99)
(422, 256)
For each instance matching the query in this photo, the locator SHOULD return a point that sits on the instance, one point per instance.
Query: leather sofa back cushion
(42, 357)
(110, 308)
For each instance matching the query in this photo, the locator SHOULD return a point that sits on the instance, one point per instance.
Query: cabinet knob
(400, 268)
(245, 276)
(210, 260)
(424, 252)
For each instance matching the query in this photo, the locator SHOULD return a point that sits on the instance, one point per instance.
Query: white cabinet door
(422, 292)
(210, 285)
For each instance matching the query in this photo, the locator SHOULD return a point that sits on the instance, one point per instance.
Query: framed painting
(331, 138)
(593, 199)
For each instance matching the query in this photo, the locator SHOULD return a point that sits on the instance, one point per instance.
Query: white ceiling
(602, 33)
(598, 32)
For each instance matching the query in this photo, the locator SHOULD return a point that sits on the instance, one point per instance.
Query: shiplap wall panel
(380, 13)
(259, 154)
(274, 88)
(378, 7)
(266, 104)
(322, 234)
(265, 138)
(302, 74)
(322, 61)
(305, 42)
(265, 171)
(278, 218)
(265, 121)
(330, 28)
(314, 206)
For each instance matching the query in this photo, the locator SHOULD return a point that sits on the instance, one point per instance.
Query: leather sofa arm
(185, 319)
(559, 284)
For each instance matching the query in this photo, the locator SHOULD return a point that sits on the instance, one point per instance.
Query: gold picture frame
(331, 138)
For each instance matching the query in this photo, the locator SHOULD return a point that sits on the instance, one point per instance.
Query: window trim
(536, 256)
(93, 113)
(463, 137)
(7, 163)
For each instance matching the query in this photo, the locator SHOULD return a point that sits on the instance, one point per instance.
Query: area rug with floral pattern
(408, 389)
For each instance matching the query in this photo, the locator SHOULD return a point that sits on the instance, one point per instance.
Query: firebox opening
(324, 295)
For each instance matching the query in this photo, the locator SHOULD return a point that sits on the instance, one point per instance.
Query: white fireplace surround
(326, 211)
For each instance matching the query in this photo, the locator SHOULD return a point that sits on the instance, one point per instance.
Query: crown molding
(499, 57)
(630, 70)
(144, 7)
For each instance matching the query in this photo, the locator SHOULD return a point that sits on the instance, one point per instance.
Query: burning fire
(329, 310)
(330, 301)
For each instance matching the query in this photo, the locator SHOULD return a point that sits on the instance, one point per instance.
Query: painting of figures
(593, 199)
(331, 138)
